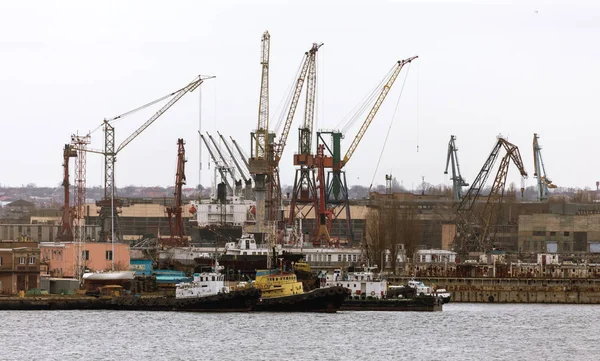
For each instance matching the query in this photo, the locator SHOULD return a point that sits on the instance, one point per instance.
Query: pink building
(61, 259)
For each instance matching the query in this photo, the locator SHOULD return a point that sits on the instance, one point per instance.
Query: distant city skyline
(483, 70)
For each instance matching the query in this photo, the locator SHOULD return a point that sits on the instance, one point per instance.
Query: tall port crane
(65, 233)
(174, 213)
(457, 180)
(109, 203)
(260, 141)
(337, 188)
(473, 226)
(543, 183)
(304, 191)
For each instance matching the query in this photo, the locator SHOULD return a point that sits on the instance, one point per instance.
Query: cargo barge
(234, 301)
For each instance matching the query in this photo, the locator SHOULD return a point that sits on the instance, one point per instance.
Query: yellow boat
(282, 292)
(275, 283)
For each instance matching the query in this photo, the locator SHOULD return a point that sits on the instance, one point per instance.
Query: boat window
(213, 278)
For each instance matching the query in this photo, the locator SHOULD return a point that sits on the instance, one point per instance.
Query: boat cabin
(362, 284)
(204, 284)
(274, 283)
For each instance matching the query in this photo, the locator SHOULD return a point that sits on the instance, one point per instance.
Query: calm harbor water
(460, 332)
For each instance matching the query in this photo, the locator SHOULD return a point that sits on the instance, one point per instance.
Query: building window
(85, 255)
(566, 234)
(539, 233)
(109, 255)
(21, 260)
(31, 260)
(552, 234)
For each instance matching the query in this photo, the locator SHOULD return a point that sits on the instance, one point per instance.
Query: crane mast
(324, 215)
(66, 230)
(174, 213)
(543, 183)
(262, 132)
(304, 194)
(279, 146)
(260, 144)
(457, 180)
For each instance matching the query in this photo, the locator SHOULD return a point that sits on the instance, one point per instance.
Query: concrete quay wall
(505, 296)
(517, 290)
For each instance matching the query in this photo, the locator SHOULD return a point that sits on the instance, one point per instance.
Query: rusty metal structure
(66, 230)
(174, 213)
(324, 215)
(473, 225)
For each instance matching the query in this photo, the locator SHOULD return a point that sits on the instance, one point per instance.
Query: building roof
(121, 275)
(20, 203)
(434, 251)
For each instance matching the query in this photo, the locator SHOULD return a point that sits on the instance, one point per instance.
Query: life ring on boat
(372, 293)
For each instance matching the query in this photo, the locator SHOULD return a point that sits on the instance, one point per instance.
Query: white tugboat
(362, 284)
(368, 292)
(204, 284)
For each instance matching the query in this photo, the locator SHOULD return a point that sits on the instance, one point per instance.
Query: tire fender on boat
(372, 293)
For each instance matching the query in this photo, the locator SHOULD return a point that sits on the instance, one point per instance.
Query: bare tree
(375, 241)
(390, 224)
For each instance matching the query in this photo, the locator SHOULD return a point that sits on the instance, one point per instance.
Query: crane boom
(241, 153)
(233, 158)
(309, 109)
(189, 88)
(216, 160)
(543, 182)
(230, 169)
(375, 108)
(279, 147)
(457, 180)
(262, 132)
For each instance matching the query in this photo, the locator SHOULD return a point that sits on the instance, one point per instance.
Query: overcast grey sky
(483, 69)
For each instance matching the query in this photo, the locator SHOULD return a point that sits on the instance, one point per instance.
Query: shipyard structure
(458, 237)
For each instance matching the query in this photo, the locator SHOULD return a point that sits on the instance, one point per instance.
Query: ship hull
(246, 264)
(235, 301)
(323, 300)
(418, 303)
